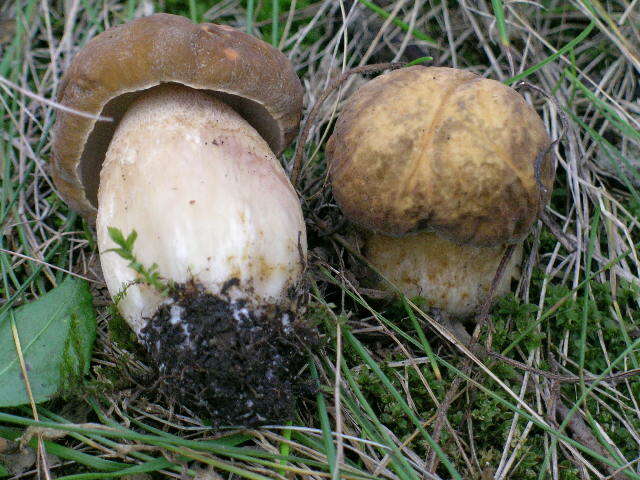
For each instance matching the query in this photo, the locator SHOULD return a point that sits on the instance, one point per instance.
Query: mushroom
(189, 163)
(443, 169)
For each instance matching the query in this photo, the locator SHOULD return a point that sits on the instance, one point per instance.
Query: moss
(120, 333)
(491, 420)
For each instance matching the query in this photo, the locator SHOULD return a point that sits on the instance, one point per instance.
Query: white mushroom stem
(208, 199)
(451, 277)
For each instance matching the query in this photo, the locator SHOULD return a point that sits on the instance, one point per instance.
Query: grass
(543, 399)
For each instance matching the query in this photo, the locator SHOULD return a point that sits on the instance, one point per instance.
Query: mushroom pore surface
(215, 212)
(444, 150)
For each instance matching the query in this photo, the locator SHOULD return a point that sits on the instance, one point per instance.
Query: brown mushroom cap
(443, 150)
(113, 68)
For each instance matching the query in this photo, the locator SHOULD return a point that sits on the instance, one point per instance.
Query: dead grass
(368, 424)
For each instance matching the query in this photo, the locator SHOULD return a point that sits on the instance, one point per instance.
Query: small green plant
(146, 275)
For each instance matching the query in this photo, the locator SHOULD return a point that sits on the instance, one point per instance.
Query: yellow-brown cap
(443, 150)
(116, 66)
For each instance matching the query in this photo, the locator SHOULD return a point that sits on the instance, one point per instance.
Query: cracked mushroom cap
(444, 150)
(109, 73)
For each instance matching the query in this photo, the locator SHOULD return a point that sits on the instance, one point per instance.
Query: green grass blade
(275, 22)
(250, 15)
(399, 23)
(569, 46)
(355, 343)
(498, 12)
(325, 425)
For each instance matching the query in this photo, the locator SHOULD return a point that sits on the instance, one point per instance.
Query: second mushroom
(442, 169)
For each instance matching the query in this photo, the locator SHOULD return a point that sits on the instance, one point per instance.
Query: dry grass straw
(596, 83)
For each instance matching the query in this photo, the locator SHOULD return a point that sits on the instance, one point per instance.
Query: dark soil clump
(228, 360)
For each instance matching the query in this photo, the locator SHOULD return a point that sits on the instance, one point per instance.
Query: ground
(396, 390)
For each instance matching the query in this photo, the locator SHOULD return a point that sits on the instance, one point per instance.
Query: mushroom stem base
(227, 359)
(450, 277)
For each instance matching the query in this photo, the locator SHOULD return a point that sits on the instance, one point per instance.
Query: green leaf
(56, 334)
(131, 239)
(3, 472)
(116, 236)
(123, 253)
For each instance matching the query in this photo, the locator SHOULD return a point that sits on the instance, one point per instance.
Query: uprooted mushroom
(189, 163)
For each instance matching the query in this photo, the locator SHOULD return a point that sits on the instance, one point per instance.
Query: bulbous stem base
(450, 277)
